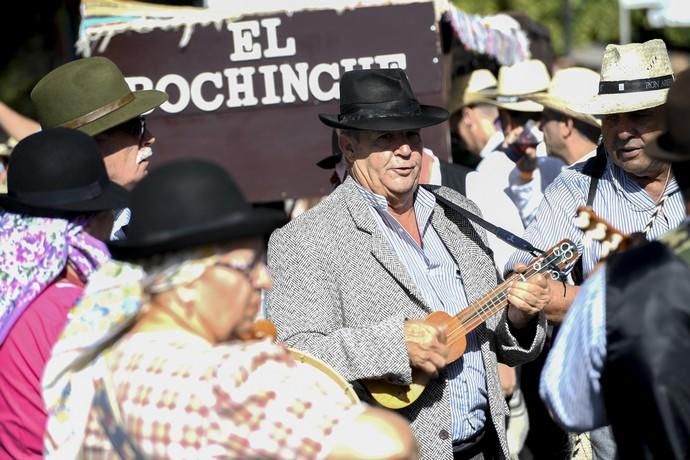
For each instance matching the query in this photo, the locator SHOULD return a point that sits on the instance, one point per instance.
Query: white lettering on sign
(284, 83)
(237, 87)
(243, 34)
(245, 48)
(272, 49)
(183, 89)
(315, 88)
(197, 87)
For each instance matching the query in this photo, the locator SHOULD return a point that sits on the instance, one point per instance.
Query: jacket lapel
(380, 247)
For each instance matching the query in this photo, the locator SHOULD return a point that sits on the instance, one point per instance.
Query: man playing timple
(354, 276)
(91, 95)
(634, 192)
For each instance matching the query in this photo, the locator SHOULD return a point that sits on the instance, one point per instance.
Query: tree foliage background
(593, 21)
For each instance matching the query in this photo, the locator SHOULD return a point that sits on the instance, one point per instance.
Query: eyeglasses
(245, 268)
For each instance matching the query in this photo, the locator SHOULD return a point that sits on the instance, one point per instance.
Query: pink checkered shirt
(181, 397)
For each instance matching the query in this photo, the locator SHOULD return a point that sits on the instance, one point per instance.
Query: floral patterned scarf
(34, 252)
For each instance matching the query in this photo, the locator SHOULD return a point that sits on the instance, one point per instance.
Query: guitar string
(489, 301)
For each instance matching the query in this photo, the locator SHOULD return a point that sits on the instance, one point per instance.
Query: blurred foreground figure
(55, 216)
(623, 353)
(161, 359)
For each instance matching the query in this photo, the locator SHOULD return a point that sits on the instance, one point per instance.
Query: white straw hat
(520, 80)
(635, 76)
(570, 86)
(477, 87)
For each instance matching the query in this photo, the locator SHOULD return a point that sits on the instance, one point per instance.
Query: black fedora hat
(673, 145)
(381, 100)
(59, 170)
(189, 203)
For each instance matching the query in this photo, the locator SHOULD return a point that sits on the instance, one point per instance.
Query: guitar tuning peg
(582, 220)
(606, 249)
(616, 239)
(598, 232)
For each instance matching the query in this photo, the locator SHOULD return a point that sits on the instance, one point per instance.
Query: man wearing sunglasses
(91, 95)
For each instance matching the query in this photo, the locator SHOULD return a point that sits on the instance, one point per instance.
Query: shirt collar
(424, 202)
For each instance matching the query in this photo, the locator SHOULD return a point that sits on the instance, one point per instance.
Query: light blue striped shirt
(619, 200)
(570, 383)
(435, 273)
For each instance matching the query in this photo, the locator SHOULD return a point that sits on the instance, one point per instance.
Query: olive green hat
(90, 95)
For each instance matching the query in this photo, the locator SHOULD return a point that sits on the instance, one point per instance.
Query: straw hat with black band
(518, 81)
(90, 95)
(636, 76)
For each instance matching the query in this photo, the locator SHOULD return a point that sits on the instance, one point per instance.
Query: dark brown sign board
(247, 93)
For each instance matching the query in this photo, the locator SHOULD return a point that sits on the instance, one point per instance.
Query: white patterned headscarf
(110, 305)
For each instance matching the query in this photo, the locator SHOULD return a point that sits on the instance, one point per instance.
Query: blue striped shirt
(435, 273)
(570, 383)
(619, 200)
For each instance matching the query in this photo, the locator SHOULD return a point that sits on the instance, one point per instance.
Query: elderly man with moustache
(354, 276)
(91, 95)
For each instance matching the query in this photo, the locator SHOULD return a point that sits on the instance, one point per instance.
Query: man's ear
(568, 126)
(347, 146)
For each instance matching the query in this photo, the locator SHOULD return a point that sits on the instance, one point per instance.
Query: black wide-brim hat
(186, 204)
(673, 145)
(59, 170)
(381, 100)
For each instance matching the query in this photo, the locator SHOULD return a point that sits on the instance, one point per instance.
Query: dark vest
(646, 377)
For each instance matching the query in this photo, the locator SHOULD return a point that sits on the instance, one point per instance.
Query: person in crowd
(56, 213)
(355, 275)
(519, 166)
(626, 187)
(160, 359)
(569, 135)
(625, 338)
(16, 125)
(92, 95)
(473, 116)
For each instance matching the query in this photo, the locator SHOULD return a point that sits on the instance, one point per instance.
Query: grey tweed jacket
(341, 294)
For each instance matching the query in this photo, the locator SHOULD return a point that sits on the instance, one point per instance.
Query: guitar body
(393, 396)
(455, 334)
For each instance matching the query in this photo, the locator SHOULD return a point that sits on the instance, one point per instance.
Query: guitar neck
(491, 303)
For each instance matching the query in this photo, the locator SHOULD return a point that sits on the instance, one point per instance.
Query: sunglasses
(135, 127)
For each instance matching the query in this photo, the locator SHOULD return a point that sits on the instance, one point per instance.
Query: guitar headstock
(597, 229)
(558, 259)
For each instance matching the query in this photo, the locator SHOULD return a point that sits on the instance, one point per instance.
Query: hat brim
(607, 104)
(666, 149)
(329, 162)
(558, 105)
(144, 101)
(519, 106)
(113, 197)
(251, 223)
(429, 115)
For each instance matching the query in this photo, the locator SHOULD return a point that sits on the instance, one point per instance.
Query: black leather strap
(503, 234)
